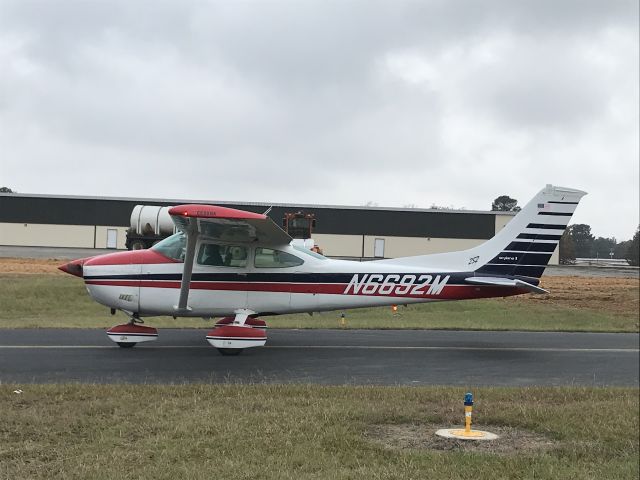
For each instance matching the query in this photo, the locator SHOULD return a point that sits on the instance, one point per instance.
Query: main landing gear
(231, 335)
(127, 335)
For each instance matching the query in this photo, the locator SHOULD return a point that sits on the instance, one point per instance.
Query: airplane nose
(74, 267)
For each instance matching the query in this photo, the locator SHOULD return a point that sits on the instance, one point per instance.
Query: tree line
(578, 242)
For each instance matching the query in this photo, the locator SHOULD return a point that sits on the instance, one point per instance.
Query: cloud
(452, 103)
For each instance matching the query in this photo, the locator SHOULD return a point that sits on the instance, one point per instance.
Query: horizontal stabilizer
(505, 282)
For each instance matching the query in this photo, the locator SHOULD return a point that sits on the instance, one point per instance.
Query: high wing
(222, 224)
(228, 224)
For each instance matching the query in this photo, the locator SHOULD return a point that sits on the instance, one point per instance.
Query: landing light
(466, 433)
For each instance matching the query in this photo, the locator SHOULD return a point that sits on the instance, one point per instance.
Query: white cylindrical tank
(151, 220)
(307, 243)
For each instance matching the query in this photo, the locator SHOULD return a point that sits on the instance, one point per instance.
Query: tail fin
(525, 245)
(522, 248)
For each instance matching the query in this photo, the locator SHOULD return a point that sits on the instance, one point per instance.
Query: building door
(112, 238)
(378, 248)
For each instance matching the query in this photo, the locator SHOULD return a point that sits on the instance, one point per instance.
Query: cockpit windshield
(173, 247)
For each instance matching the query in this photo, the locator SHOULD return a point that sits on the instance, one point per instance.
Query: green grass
(489, 314)
(41, 301)
(304, 432)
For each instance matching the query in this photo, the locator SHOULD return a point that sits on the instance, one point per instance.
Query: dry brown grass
(30, 265)
(600, 294)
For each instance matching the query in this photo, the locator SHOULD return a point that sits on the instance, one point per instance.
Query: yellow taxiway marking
(343, 347)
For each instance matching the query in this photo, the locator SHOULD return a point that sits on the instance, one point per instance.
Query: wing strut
(192, 239)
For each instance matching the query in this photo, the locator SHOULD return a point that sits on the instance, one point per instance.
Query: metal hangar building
(341, 231)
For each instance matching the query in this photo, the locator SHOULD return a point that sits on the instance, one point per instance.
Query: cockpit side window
(268, 258)
(214, 255)
(210, 255)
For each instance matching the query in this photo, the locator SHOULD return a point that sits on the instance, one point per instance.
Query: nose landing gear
(127, 335)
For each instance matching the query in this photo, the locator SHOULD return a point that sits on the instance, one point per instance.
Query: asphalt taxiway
(380, 357)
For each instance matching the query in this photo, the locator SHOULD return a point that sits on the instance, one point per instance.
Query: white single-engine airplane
(240, 265)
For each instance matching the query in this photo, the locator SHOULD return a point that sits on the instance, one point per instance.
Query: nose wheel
(128, 335)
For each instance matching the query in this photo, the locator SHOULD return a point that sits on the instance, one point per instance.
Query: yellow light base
(462, 434)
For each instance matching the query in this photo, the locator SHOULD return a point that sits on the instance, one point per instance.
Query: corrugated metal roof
(254, 204)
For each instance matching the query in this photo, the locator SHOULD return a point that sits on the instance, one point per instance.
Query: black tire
(138, 245)
(126, 344)
(230, 352)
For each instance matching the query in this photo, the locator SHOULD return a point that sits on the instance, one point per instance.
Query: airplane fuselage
(148, 283)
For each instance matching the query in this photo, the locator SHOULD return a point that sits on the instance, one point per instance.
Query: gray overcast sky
(335, 102)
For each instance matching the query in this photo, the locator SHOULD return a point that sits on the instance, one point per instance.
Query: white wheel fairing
(235, 343)
(132, 333)
(236, 337)
(131, 338)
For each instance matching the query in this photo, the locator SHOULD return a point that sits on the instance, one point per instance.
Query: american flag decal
(544, 206)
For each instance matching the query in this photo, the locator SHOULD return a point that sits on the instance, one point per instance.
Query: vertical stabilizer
(522, 248)
(525, 245)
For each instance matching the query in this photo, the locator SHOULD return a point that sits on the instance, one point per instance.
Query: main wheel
(230, 351)
(126, 344)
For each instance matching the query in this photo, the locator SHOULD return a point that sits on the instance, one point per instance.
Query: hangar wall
(45, 235)
(69, 236)
(404, 247)
(364, 245)
(356, 246)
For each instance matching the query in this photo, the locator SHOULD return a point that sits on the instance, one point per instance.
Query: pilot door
(219, 280)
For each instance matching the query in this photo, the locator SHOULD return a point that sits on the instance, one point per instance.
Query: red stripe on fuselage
(449, 292)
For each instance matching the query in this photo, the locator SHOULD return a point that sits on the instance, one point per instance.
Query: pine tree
(634, 249)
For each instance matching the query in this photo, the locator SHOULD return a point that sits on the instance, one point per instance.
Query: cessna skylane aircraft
(240, 265)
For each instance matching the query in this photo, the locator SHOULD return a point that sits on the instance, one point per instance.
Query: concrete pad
(460, 434)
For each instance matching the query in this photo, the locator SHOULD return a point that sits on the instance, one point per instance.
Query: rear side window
(268, 258)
